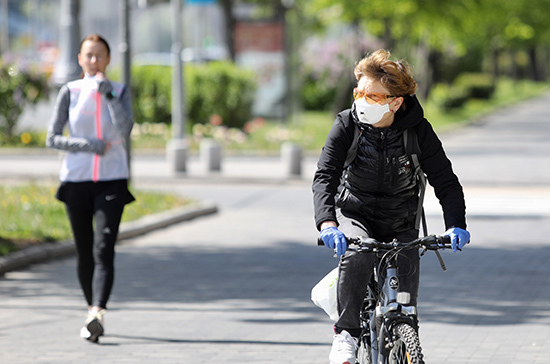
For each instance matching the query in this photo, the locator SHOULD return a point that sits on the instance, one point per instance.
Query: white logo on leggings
(110, 197)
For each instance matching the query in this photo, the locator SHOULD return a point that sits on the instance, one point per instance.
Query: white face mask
(370, 113)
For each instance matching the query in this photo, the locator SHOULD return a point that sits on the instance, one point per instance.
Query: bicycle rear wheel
(406, 348)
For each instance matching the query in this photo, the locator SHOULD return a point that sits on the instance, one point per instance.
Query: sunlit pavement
(234, 287)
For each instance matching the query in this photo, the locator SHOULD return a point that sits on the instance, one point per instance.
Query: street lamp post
(67, 67)
(177, 147)
(5, 31)
(124, 50)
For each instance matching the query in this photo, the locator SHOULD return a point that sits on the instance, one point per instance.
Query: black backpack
(412, 148)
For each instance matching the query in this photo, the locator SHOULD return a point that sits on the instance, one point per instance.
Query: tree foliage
(18, 88)
(455, 28)
(441, 39)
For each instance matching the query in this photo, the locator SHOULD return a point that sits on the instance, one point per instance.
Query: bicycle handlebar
(430, 242)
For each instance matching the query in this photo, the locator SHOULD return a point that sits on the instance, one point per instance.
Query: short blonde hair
(395, 76)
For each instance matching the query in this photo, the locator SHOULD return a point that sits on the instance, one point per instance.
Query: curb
(44, 252)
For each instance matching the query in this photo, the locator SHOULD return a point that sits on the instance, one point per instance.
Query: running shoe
(93, 328)
(343, 349)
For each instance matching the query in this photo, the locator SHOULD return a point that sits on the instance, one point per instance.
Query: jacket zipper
(99, 133)
(382, 161)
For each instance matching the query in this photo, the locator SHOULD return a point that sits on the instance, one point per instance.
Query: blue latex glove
(459, 238)
(334, 239)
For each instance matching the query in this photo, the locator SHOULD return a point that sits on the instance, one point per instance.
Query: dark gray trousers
(356, 270)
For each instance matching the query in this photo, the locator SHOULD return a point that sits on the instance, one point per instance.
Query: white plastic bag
(324, 294)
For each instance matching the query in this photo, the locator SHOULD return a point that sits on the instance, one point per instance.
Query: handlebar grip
(445, 239)
(320, 242)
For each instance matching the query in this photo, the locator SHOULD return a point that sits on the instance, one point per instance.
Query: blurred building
(30, 35)
(30, 29)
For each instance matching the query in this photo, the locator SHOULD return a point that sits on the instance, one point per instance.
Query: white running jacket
(93, 120)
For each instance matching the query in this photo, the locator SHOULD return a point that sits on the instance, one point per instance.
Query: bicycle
(389, 323)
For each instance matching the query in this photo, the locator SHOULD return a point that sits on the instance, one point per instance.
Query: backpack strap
(412, 148)
(352, 151)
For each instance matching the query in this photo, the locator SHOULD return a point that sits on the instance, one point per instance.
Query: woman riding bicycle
(377, 194)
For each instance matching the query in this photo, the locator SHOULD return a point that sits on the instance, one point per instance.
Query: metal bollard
(291, 157)
(210, 155)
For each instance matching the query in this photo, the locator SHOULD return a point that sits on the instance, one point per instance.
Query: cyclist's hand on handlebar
(334, 239)
(459, 238)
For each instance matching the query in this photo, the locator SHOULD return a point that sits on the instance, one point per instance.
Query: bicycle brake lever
(441, 262)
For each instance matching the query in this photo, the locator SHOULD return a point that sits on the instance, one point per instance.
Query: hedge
(478, 85)
(216, 88)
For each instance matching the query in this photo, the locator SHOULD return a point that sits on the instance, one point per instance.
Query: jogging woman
(94, 173)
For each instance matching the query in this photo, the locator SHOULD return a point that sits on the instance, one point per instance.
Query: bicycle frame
(391, 307)
(384, 305)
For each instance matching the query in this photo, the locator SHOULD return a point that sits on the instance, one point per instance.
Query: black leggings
(100, 205)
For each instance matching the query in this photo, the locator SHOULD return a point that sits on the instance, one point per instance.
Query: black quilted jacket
(378, 185)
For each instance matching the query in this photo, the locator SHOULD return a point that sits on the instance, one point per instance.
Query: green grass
(507, 93)
(308, 129)
(30, 214)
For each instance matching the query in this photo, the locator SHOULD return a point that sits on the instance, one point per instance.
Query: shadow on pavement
(483, 286)
(154, 340)
(287, 271)
(487, 287)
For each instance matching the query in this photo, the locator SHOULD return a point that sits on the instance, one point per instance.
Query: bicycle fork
(390, 292)
(393, 308)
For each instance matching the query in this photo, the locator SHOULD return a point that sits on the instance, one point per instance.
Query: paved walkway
(234, 287)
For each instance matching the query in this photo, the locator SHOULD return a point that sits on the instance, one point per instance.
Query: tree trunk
(495, 55)
(422, 65)
(227, 6)
(433, 69)
(546, 61)
(513, 72)
(389, 41)
(535, 69)
(347, 81)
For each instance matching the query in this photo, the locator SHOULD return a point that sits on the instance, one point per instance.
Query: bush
(220, 88)
(317, 93)
(465, 86)
(151, 92)
(478, 85)
(18, 88)
(448, 97)
(217, 88)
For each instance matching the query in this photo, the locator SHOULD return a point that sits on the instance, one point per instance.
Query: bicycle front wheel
(406, 348)
(364, 351)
